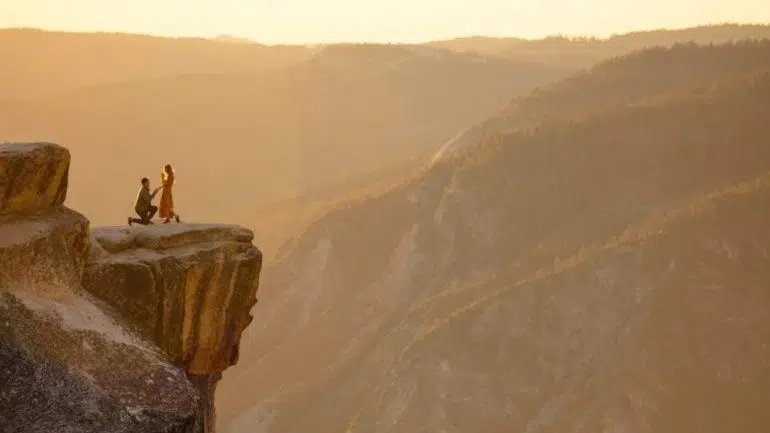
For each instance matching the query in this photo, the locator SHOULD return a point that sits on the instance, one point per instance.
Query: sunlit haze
(388, 216)
(300, 21)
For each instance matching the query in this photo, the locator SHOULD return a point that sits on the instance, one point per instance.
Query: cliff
(115, 329)
(188, 288)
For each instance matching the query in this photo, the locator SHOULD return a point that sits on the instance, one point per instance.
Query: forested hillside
(632, 79)
(580, 52)
(513, 282)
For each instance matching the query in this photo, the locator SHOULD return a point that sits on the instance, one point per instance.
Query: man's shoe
(130, 222)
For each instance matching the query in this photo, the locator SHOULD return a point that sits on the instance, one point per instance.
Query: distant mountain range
(594, 259)
(250, 126)
(245, 125)
(233, 39)
(586, 51)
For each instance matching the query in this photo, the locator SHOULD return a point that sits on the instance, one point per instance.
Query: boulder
(33, 177)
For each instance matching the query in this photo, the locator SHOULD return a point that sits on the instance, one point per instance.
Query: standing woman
(166, 210)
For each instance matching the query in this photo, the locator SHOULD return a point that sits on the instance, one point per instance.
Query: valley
(523, 270)
(463, 235)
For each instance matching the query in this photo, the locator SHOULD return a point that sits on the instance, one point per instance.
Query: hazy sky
(272, 21)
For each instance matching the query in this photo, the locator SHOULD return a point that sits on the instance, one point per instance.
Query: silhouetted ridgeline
(614, 248)
(633, 78)
(581, 52)
(114, 329)
(89, 59)
(637, 76)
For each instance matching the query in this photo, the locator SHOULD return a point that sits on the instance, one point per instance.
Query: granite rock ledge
(68, 362)
(189, 288)
(115, 329)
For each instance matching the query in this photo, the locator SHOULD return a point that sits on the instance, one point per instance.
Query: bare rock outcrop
(68, 366)
(189, 288)
(33, 177)
(119, 329)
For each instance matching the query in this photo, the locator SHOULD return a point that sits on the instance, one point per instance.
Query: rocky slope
(663, 329)
(122, 331)
(546, 279)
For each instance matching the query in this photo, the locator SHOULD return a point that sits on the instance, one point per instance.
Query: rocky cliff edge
(113, 329)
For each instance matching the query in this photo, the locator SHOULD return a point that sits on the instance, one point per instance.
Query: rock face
(189, 288)
(45, 247)
(142, 348)
(69, 366)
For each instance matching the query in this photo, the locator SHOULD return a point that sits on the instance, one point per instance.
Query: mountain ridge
(584, 51)
(614, 83)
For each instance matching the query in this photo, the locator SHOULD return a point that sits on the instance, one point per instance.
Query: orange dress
(166, 208)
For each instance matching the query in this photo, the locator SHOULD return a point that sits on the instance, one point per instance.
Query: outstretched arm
(152, 196)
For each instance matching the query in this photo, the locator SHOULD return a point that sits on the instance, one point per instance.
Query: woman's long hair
(168, 172)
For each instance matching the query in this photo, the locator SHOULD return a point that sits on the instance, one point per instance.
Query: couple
(144, 207)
